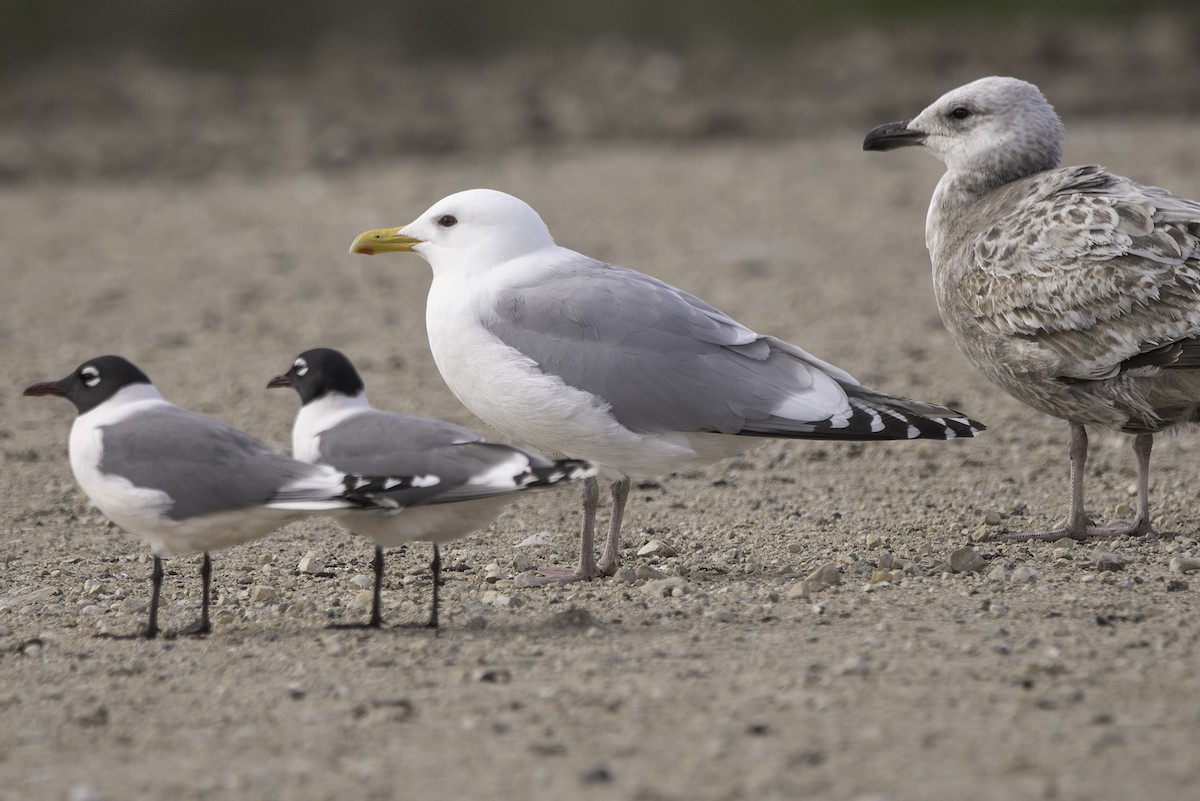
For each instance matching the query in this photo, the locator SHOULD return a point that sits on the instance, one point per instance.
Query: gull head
(92, 382)
(480, 227)
(993, 130)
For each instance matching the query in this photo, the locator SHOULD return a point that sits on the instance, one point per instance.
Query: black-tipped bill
(892, 135)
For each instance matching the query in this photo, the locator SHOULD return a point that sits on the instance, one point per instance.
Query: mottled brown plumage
(1075, 290)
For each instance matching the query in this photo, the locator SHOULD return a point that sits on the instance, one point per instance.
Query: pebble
(493, 573)
(1103, 560)
(1183, 564)
(362, 581)
(827, 575)
(854, 666)
(261, 593)
(800, 591)
(83, 792)
(527, 580)
(1065, 542)
(1123, 511)
(967, 560)
(363, 599)
(1061, 553)
(522, 562)
(1023, 575)
(92, 586)
(657, 548)
(997, 573)
(646, 572)
(534, 540)
(874, 540)
(625, 575)
(665, 587)
(311, 563)
(880, 577)
(992, 517)
(493, 598)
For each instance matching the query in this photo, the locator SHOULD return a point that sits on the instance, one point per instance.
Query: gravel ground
(724, 664)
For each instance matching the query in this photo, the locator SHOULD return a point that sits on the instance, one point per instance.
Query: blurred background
(135, 89)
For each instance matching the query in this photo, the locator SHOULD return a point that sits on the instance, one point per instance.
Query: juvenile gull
(184, 482)
(568, 354)
(1075, 290)
(337, 426)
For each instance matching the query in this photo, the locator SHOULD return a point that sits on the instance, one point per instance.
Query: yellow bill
(382, 240)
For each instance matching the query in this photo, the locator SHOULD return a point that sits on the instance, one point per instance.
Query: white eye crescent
(301, 367)
(90, 376)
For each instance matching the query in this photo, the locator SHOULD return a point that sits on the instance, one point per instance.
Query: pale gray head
(989, 132)
(476, 228)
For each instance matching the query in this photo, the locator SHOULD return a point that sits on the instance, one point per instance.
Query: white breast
(321, 415)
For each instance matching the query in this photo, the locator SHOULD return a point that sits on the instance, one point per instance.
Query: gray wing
(204, 465)
(665, 360)
(1098, 268)
(382, 443)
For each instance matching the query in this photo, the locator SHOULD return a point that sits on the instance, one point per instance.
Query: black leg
(436, 567)
(202, 626)
(377, 597)
(156, 578)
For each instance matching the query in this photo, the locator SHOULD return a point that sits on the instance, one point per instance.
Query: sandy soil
(1077, 683)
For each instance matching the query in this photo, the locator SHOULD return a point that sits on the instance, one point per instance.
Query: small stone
(646, 572)
(795, 547)
(503, 601)
(997, 573)
(363, 599)
(886, 560)
(625, 575)
(1183, 564)
(261, 593)
(992, 517)
(92, 586)
(1060, 554)
(1111, 562)
(83, 792)
(362, 581)
(665, 587)
(1064, 542)
(522, 562)
(1123, 511)
(854, 666)
(800, 590)
(657, 548)
(874, 540)
(1023, 575)
(534, 540)
(880, 577)
(597, 775)
(967, 560)
(527, 580)
(493, 675)
(311, 563)
(493, 573)
(827, 575)
(296, 691)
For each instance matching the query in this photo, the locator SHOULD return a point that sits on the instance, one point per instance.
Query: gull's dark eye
(447, 221)
(960, 112)
(90, 376)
